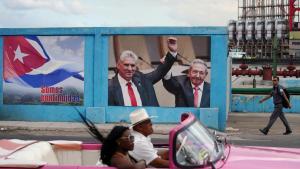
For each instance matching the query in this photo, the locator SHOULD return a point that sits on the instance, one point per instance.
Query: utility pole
(275, 45)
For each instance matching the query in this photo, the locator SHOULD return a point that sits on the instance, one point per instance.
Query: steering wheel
(182, 145)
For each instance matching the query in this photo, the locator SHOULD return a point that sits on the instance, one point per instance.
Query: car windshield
(196, 146)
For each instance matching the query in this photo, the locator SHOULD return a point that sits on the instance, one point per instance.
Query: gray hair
(198, 61)
(128, 53)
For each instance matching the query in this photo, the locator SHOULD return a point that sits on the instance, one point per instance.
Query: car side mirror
(220, 138)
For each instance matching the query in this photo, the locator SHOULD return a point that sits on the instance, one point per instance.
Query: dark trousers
(278, 113)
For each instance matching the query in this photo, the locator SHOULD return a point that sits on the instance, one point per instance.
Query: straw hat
(139, 116)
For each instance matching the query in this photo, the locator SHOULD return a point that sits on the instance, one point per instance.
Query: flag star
(19, 55)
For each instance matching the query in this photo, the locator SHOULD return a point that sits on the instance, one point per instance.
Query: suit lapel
(189, 93)
(137, 82)
(204, 93)
(118, 91)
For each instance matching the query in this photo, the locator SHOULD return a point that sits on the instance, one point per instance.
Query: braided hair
(110, 144)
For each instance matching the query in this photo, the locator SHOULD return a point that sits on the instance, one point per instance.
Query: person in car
(143, 148)
(114, 151)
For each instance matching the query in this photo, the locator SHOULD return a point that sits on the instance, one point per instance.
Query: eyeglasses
(275, 80)
(129, 138)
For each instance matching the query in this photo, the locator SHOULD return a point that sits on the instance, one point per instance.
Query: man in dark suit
(190, 90)
(133, 88)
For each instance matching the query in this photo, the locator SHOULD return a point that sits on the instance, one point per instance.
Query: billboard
(43, 70)
(156, 78)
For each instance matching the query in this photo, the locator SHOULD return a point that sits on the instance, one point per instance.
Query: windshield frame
(191, 120)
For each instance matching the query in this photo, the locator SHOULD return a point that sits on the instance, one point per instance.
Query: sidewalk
(67, 128)
(249, 123)
(242, 129)
(237, 123)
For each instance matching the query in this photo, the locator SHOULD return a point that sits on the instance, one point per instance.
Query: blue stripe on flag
(40, 80)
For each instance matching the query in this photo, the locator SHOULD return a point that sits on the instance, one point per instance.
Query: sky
(116, 13)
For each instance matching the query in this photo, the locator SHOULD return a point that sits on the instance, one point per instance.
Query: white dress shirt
(126, 97)
(143, 148)
(200, 91)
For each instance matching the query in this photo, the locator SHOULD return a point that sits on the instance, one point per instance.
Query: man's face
(197, 74)
(126, 68)
(146, 127)
(275, 81)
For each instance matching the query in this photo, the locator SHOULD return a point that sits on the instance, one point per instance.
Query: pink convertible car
(191, 146)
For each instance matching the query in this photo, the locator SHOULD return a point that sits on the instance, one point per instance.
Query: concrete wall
(249, 103)
(95, 106)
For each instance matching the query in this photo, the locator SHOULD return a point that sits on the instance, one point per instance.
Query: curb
(6, 126)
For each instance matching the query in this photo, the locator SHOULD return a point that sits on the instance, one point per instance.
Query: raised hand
(172, 44)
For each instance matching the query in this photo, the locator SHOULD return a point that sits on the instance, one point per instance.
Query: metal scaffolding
(265, 9)
(259, 23)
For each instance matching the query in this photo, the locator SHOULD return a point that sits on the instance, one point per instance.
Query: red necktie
(131, 94)
(196, 96)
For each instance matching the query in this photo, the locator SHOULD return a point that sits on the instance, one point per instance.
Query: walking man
(278, 96)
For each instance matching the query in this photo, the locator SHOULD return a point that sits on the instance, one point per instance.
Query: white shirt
(200, 91)
(126, 97)
(143, 148)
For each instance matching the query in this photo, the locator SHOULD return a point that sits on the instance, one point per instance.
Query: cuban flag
(27, 63)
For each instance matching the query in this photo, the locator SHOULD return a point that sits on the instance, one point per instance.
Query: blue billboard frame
(96, 75)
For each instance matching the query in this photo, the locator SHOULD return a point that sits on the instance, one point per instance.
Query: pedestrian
(278, 95)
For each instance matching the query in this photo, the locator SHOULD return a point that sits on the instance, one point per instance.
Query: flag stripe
(41, 80)
(27, 63)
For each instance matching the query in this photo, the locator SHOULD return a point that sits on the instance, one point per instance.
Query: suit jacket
(143, 82)
(181, 87)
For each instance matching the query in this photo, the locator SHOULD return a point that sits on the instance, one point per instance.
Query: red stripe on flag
(14, 67)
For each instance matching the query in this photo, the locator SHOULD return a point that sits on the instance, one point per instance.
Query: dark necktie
(196, 96)
(131, 94)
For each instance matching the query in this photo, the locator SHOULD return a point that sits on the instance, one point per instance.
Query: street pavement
(242, 129)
